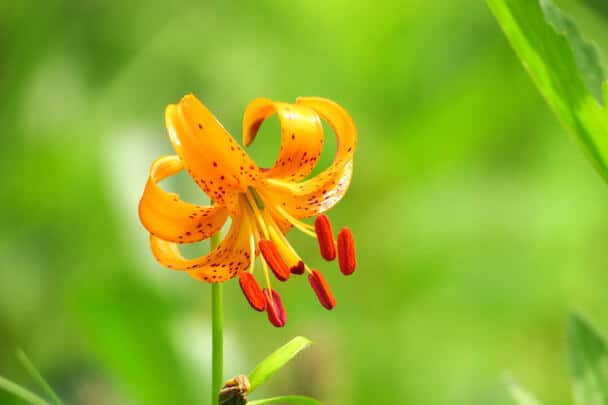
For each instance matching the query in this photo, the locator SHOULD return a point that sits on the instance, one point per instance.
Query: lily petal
(221, 264)
(212, 157)
(320, 193)
(301, 136)
(163, 214)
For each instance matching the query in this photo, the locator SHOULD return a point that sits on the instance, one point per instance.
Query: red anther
(274, 307)
(324, 294)
(298, 268)
(252, 291)
(325, 237)
(346, 251)
(273, 258)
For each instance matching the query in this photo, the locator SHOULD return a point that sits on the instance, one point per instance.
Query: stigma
(266, 223)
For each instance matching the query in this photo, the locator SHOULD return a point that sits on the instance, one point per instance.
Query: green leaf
(276, 361)
(519, 394)
(601, 6)
(588, 362)
(288, 399)
(46, 387)
(21, 392)
(563, 66)
(131, 338)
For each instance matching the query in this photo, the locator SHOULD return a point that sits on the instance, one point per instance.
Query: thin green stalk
(29, 366)
(217, 340)
(21, 392)
(287, 399)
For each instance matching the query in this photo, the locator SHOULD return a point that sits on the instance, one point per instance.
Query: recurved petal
(212, 157)
(301, 136)
(320, 193)
(221, 264)
(165, 215)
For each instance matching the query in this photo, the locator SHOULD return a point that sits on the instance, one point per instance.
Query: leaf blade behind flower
(564, 67)
(276, 360)
(37, 376)
(588, 362)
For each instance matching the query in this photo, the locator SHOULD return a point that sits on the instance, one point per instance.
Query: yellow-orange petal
(320, 193)
(210, 154)
(165, 215)
(221, 264)
(301, 136)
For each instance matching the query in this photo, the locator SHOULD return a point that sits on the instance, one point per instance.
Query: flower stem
(217, 340)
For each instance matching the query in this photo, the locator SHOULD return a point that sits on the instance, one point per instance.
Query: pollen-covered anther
(325, 237)
(346, 251)
(299, 268)
(252, 291)
(273, 258)
(321, 288)
(274, 307)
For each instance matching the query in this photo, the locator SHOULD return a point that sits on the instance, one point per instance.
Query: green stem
(217, 340)
(29, 366)
(21, 392)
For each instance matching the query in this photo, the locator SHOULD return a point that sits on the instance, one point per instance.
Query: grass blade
(276, 361)
(564, 67)
(21, 392)
(589, 363)
(44, 385)
(519, 394)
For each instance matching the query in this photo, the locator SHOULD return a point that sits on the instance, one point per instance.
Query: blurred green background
(479, 222)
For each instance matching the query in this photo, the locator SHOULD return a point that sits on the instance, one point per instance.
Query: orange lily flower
(262, 203)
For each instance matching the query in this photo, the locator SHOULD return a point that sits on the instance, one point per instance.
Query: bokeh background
(479, 222)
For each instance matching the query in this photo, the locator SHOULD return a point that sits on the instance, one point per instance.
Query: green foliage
(565, 68)
(33, 371)
(286, 400)
(24, 393)
(589, 363)
(600, 5)
(21, 392)
(519, 394)
(463, 199)
(276, 360)
(131, 337)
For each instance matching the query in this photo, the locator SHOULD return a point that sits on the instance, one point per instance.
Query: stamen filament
(267, 278)
(256, 214)
(252, 240)
(251, 251)
(285, 248)
(282, 212)
(256, 236)
(290, 218)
